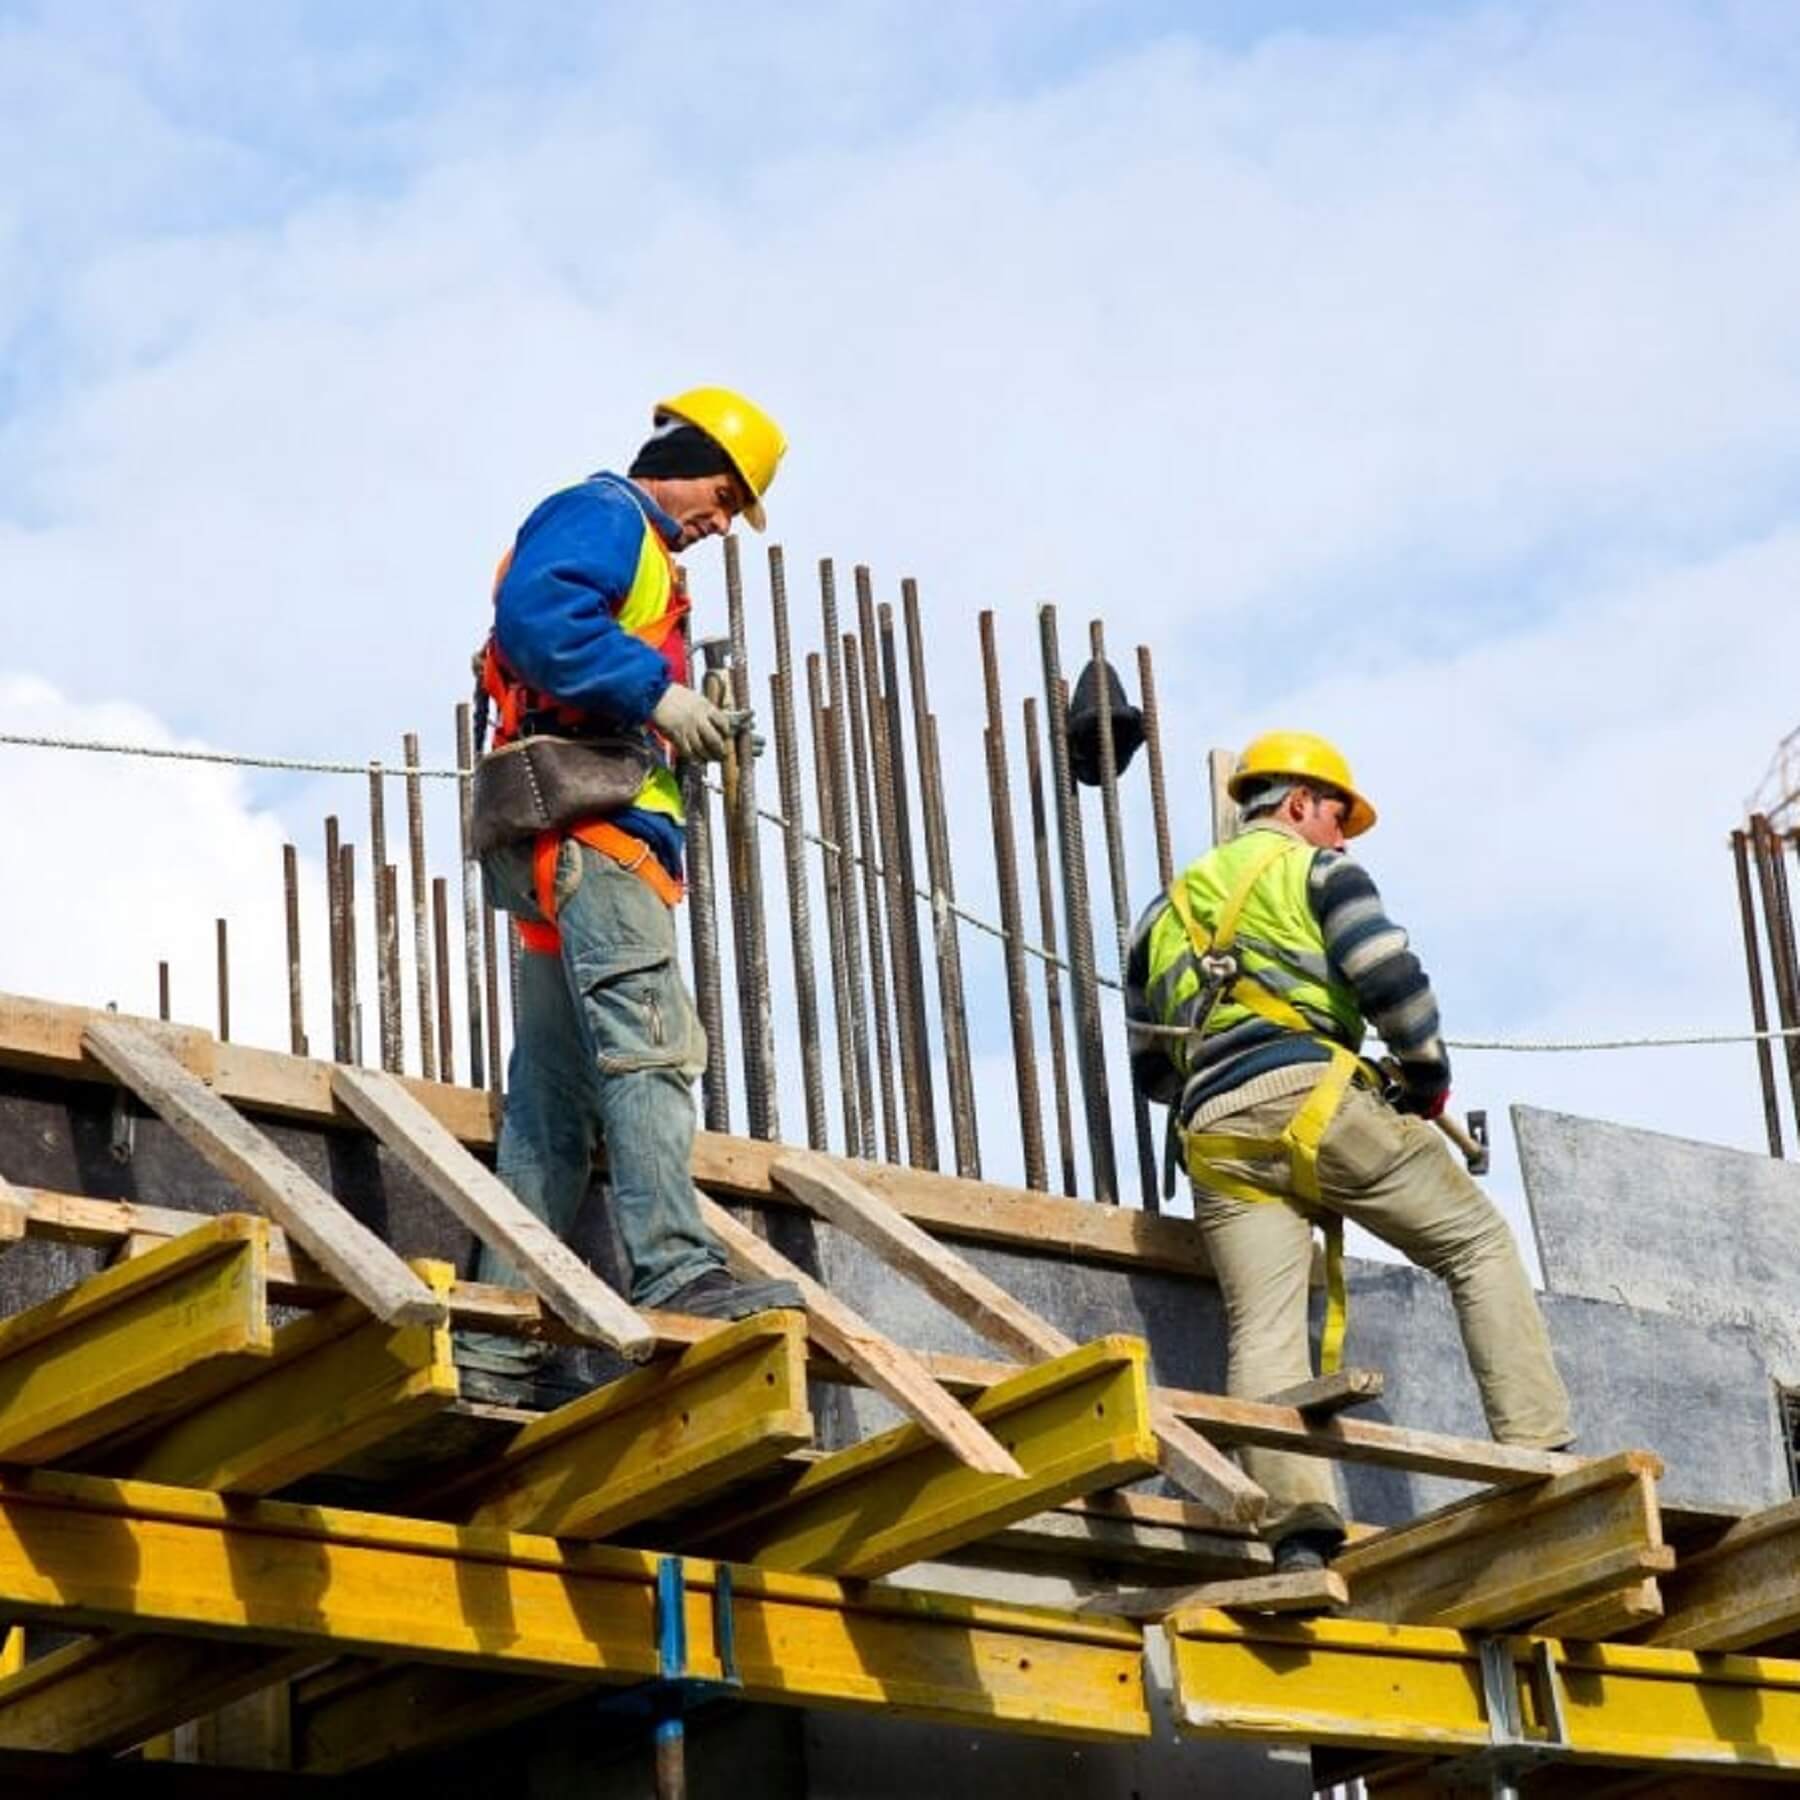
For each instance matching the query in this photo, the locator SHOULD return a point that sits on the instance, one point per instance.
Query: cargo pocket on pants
(1362, 1143)
(640, 1016)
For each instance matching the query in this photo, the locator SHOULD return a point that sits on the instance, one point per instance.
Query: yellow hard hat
(741, 429)
(1303, 757)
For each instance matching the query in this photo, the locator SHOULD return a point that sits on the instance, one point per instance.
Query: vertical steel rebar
(954, 1013)
(902, 917)
(440, 926)
(421, 907)
(224, 959)
(1759, 1011)
(760, 1071)
(471, 892)
(844, 834)
(1121, 900)
(162, 990)
(842, 990)
(1053, 1005)
(387, 951)
(1159, 793)
(490, 953)
(352, 1003)
(334, 905)
(925, 1152)
(703, 942)
(793, 845)
(872, 897)
(1090, 1049)
(1012, 923)
(387, 930)
(1784, 961)
(290, 893)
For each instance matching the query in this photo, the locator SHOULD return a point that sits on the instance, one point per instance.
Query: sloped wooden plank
(1310, 1592)
(361, 1263)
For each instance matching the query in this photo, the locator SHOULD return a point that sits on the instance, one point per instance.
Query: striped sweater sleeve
(1368, 952)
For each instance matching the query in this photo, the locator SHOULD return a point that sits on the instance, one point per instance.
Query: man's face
(1319, 815)
(702, 505)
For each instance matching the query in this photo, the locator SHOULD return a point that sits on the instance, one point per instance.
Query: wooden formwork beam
(126, 1346)
(651, 1443)
(1307, 1591)
(1743, 1591)
(1505, 1559)
(1183, 1454)
(1622, 1613)
(356, 1257)
(14, 1215)
(1075, 1424)
(99, 1554)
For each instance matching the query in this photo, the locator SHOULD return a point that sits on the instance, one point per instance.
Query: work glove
(691, 722)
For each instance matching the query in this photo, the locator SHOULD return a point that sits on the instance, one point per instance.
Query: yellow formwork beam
(1074, 1424)
(337, 1381)
(98, 1554)
(1419, 1689)
(133, 1343)
(653, 1442)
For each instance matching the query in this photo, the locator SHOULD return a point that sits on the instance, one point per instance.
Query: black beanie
(680, 451)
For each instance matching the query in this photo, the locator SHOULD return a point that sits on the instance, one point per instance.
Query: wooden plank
(1309, 1592)
(1075, 1424)
(360, 1261)
(845, 1334)
(1067, 1537)
(134, 1342)
(1742, 1592)
(13, 1214)
(1325, 1395)
(336, 1382)
(100, 1554)
(1505, 1559)
(493, 1212)
(651, 1443)
(1623, 1612)
(1183, 1455)
(45, 1037)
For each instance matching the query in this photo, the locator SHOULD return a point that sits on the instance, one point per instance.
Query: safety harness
(1226, 978)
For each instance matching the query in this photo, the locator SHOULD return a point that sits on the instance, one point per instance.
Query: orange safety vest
(652, 611)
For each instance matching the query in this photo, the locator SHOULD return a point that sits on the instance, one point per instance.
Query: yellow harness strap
(1299, 1142)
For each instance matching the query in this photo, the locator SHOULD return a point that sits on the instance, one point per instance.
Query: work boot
(718, 1294)
(1303, 1552)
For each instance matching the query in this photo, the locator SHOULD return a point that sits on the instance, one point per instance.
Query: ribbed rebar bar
(387, 931)
(1159, 793)
(834, 867)
(793, 845)
(1053, 1006)
(224, 961)
(1090, 1047)
(490, 956)
(1759, 1011)
(352, 1000)
(334, 913)
(290, 893)
(1006, 877)
(703, 934)
(440, 928)
(162, 990)
(421, 907)
(883, 1046)
(1784, 963)
(471, 895)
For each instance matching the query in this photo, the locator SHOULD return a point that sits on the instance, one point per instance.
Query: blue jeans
(606, 1045)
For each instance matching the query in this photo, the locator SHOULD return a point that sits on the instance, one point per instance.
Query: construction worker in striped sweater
(1248, 987)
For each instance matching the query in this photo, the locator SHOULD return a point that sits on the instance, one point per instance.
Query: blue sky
(1429, 375)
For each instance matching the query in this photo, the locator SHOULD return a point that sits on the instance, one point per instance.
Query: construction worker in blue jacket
(1249, 984)
(587, 639)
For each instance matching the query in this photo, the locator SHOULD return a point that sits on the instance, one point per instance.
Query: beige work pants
(1395, 1176)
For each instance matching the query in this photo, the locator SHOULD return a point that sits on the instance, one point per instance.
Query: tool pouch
(547, 783)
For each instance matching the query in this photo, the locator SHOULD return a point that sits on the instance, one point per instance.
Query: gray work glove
(691, 722)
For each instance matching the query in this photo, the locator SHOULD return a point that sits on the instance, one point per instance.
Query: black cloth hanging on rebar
(1084, 723)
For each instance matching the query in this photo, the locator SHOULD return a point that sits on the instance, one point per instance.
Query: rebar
(1006, 878)
(1759, 1011)
(387, 931)
(334, 904)
(1159, 793)
(490, 954)
(352, 1004)
(953, 1012)
(793, 846)
(925, 1154)
(1053, 1006)
(224, 961)
(1090, 1048)
(843, 1003)
(471, 893)
(290, 894)
(440, 925)
(1121, 899)
(872, 898)
(421, 906)
(843, 833)
(748, 910)
(1779, 925)
(909, 1017)
(162, 990)
(703, 941)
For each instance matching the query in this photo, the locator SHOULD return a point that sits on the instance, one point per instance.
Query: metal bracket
(675, 1691)
(1511, 1753)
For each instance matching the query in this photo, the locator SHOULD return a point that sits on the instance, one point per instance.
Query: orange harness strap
(632, 854)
